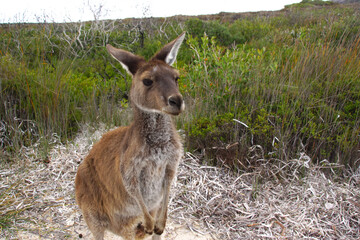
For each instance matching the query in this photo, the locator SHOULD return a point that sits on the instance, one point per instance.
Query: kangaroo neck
(155, 128)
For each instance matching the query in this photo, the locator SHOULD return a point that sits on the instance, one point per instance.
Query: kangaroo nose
(176, 101)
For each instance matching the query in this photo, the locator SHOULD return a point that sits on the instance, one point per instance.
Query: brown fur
(123, 184)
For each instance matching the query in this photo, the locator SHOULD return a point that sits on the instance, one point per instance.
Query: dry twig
(277, 200)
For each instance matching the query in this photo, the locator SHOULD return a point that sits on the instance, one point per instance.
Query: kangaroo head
(154, 85)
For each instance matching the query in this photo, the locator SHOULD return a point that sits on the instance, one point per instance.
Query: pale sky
(82, 10)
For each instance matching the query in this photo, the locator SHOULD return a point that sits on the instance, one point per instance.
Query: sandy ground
(173, 232)
(274, 200)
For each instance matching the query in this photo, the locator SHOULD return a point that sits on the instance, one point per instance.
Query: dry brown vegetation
(276, 200)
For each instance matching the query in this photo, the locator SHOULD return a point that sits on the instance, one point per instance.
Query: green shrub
(219, 136)
(291, 99)
(309, 3)
(246, 30)
(286, 81)
(198, 28)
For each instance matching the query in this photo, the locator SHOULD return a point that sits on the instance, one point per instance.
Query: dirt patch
(281, 200)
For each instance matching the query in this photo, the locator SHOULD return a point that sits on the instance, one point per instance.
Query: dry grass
(275, 200)
(257, 206)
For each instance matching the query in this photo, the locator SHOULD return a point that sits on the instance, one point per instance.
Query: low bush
(286, 81)
(291, 99)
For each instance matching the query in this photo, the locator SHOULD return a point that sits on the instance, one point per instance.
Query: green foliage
(49, 85)
(197, 27)
(287, 81)
(245, 30)
(238, 32)
(298, 94)
(215, 134)
(210, 129)
(310, 3)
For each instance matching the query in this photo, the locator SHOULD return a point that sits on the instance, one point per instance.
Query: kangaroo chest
(153, 170)
(159, 152)
(148, 172)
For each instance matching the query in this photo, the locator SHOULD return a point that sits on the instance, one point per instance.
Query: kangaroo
(123, 184)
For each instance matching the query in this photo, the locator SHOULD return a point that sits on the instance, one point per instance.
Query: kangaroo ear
(169, 52)
(130, 62)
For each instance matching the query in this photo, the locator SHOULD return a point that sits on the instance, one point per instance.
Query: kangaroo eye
(147, 82)
(177, 79)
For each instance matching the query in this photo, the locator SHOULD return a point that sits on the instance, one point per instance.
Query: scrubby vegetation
(287, 81)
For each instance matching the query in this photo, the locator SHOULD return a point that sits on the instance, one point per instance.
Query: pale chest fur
(161, 150)
(150, 174)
